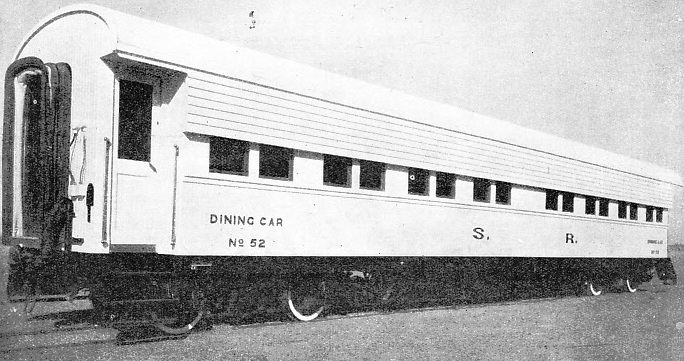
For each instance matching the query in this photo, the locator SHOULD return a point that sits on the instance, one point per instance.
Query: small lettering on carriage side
(654, 241)
(253, 243)
(570, 238)
(257, 243)
(479, 233)
(236, 242)
(242, 220)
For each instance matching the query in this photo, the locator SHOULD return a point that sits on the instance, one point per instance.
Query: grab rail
(175, 190)
(108, 146)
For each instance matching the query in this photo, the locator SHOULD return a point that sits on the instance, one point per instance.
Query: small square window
(590, 205)
(275, 162)
(622, 210)
(552, 199)
(503, 193)
(445, 185)
(649, 214)
(481, 190)
(418, 181)
(603, 207)
(568, 202)
(228, 156)
(659, 215)
(634, 211)
(336, 170)
(372, 175)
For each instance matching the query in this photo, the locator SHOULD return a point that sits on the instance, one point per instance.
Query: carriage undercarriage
(178, 294)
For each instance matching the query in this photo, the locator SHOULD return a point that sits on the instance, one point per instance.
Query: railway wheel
(182, 326)
(594, 288)
(188, 313)
(306, 300)
(631, 286)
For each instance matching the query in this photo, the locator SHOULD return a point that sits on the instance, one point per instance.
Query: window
(659, 215)
(336, 170)
(135, 120)
(603, 207)
(552, 200)
(445, 185)
(649, 214)
(568, 202)
(372, 175)
(481, 190)
(275, 162)
(634, 211)
(622, 210)
(418, 181)
(228, 156)
(590, 205)
(503, 193)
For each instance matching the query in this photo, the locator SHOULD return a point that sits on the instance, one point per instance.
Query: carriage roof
(169, 47)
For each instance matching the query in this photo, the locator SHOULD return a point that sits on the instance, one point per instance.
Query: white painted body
(331, 222)
(203, 87)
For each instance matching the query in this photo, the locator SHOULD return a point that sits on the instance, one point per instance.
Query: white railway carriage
(171, 143)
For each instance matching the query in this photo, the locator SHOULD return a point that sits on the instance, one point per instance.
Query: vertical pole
(105, 205)
(175, 191)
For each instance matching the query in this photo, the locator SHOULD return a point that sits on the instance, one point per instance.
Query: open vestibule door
(36, 154)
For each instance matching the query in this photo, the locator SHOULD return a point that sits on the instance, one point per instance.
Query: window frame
(154, 84)
(450, 178)
(503, 190)
(289, 157)
(552, 199)
(245, 157)
(486, 190)
(604, 205)
(622, 210)
(633, 212)
(336, 161)
(590, 205)
(366, 165)
(650, 214)
(422, 178)
(568, 203)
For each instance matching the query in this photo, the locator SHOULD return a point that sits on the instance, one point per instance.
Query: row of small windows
(337, 172)
(568, 205)
(231, 156)
(482, 191)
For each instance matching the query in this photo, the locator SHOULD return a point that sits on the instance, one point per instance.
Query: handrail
(105, 203)
(175, 190)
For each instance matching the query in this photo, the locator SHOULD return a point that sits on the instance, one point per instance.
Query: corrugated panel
(225, 107)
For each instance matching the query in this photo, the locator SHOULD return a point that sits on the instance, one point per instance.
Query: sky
(605, 73)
